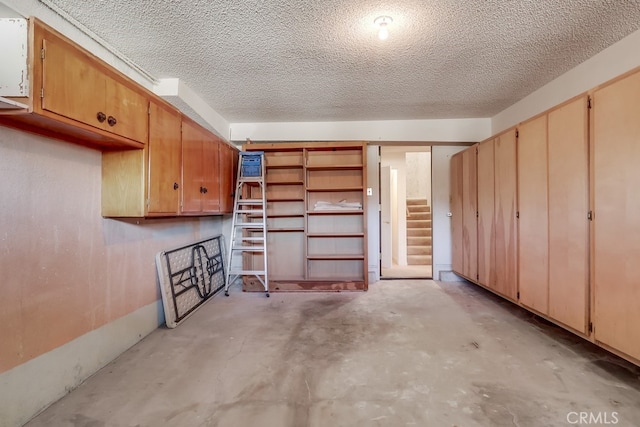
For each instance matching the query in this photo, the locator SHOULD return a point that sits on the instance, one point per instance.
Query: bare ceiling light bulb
(382, 22)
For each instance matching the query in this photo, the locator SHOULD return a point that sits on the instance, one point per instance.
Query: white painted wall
(419, 175)
(445, 130)
(395, 157)
(441, 223)
(611, 62)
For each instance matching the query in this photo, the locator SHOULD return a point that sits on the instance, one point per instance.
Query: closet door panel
(616, 192)
(533, 225)
(486, 195)
(469, 212)
(505, 215)
(568, 149)
(457, 214)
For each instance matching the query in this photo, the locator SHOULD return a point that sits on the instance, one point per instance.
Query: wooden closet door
(568, 148)
(505, 215)
(469, 212)
(456, 213)
(533, 225)
(616, 192)
(486, 195)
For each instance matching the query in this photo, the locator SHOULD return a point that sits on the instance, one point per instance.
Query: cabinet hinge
(42, 53)
(477, 276)
(518, 295)
(42, 92)
(517, 133)
(590, 327)
(518, 214)
(590, 215)
(477, 214)
(589, 103)
(476, 150)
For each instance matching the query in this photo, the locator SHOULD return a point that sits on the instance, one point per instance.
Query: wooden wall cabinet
(76, 97)
(496, 201)
(316, 216)
(464, 209)
(228, 174)
(615, 140)
(146, 183)
(200, 170)
(553, 178)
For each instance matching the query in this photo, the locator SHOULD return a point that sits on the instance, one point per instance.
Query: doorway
(405, 212)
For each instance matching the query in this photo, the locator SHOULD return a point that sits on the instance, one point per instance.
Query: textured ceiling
(320, 60)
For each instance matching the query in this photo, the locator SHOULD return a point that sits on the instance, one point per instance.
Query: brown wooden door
(128, 109)
(164, 160)
(72, 86)
(486, 207)
(533, 225)
(568, 149)
(211, 174)
(192, 167)
(456, 188)
(505, 215)
(616, 201)
(470, 210)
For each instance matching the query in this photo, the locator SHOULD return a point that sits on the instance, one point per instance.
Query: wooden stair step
(419, 215)
(418, 208)
(418, 259)
(417, 202)
(418, 232)
(419, 240)
(418, 223)
(418, 250)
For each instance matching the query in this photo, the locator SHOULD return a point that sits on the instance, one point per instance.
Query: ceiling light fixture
(382, 22)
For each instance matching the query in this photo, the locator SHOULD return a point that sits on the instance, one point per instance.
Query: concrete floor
(416, 353)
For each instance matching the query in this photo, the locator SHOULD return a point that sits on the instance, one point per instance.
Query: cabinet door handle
(112, 121)
(201, 189)
(101, 116)
(175, 186)
(204, 190)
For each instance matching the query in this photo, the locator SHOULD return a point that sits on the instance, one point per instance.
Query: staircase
(418, 232)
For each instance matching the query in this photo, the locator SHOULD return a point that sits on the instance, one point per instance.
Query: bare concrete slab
(411, 352)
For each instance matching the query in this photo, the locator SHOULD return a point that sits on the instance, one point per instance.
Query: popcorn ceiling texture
(320, 60)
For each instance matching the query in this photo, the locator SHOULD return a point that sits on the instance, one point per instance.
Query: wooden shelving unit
(316, 219)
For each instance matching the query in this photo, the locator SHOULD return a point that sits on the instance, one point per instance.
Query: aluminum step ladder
(249, 222)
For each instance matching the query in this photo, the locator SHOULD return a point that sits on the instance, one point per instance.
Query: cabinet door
(228, 170)
(211, 175)
(469, 212)
(533, 225)
(457, 214)
(164, 160)
(568, 147)
(486, 207)
(192, 167)
(616, 183)
(72, 86)
(127, 111)
(505, 215)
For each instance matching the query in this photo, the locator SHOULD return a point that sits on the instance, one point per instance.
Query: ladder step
(247, 272)
(250, 224)
(250, 201)
(250, 239)
(249, 211)
(249, 248)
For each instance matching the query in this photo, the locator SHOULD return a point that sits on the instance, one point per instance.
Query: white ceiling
(320, 60)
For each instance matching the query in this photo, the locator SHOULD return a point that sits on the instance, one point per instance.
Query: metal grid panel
(189, 276)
